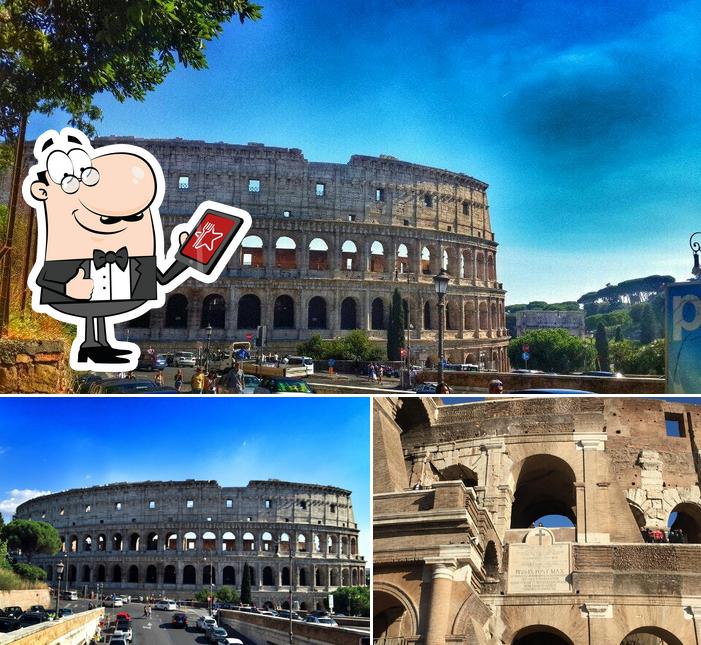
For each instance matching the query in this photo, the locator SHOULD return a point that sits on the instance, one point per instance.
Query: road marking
(146, 626)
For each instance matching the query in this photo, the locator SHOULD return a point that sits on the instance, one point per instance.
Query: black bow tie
(121, 258)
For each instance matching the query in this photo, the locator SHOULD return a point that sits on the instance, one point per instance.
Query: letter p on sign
(679, 304)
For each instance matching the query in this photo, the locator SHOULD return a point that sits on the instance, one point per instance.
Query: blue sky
(52, 444)
(584, 117)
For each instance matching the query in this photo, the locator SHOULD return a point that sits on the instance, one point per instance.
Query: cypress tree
(648, 325)
(602, 347)
(246, 586)
(619, 334)
(395, 329)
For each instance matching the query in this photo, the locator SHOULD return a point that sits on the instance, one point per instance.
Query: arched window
(303, 577)
(133, 573)
(354, 577)
(213, 311)
(172, 542)
(480, 267)
(249, 542)
(285, 577)
(685, 523)
(169, 575)
(284, 313)
(317, 578)
(541, 635)
(301, 543)
(116, 573)
(316, 313)
(190, 541)
(248, 316)
(484, 316)
(189, 575)
(470, 315)
(377, 257)
(317, 544)
(268, 580)
(491, 560)
(102, 542)
(648, 634)
(458, 472)
(444, 264)
(86, 573)
(344, 578)
(353, 546)
(467, 263)
(134, 542)
(152, 542)
(176, 311)
(228, 542)
(451, 318)
(101, 574)
(284, 543)
(378, 314)
(402, 259)
(252, 252)
(151, 574)
(427, 315)
(209, 575)
(318, 255)
(142, 322)
(285, 253)
(544, 488)
(425, 261)
(333, 578)
(229, 576)
(349, 256)
(87, 543)
(74, 543)
(117, 542)
(267, 541)
(209, 541)
(349, 314)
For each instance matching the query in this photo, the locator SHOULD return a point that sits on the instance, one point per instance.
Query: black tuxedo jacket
(145, 275)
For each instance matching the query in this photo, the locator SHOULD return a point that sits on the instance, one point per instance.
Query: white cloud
(17, 496)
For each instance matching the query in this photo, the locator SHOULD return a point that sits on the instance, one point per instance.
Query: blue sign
(683, 337)
(525, 356)
(332, 362)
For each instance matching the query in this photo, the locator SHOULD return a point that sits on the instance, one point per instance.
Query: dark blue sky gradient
(583, 117)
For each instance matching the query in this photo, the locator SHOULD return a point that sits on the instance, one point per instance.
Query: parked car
(184, 359)
(124, 627)
(113, 601)
(426, 388)
(65, 611)
(166, 605)
(119, 633)
(9, 624)
(123, 615)
(29, 618)
(203, 623)
(13, 611)
(118, 641)
(130, 386)
(275, 385)
(250, 383)
(179, 620)
(229, 640)
(285, 613)
(71, 594)
(327, 621)
(215, 634)
(37, 608)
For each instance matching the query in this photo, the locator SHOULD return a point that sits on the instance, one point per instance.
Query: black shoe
(103, 355)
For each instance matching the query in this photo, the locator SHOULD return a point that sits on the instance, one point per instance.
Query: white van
(70, 595)
(299, 361)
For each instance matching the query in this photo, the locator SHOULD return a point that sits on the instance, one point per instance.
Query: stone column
(442, 572)
(588, 490)
(232, 311)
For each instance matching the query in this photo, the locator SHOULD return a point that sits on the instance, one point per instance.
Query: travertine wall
(33, 367)
(480, 473)
(25, 598)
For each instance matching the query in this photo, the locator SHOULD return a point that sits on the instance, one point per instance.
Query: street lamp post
(289, 596)
(210, 602)
(209, 338)
(59, 575)
(441, 281)
(695, 249)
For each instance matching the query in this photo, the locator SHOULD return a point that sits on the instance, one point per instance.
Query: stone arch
(687, 520)
(172, 542)
(190, 541)
(316, 542)
(209, 541)
(479, 262)
(394, 613)
(428, 322)
(318, 255)
(377, 317)
(332, 544)
(467, 267)
(72, 573)
(116, 573)
(333, 578)
(248, 315)
(268, 580)
(134, 542)
(544, 486)
(209, 574)
(666, 637)
(189, 575)
(152, 542)
(345, 578)
(317, 578)
(101, 542)
(252, 254)
(638, 514)
(353, 546)
(470, 316)
(228, 541)
(73, 544)
(316, 313)
(402, 259)
(285, 577)
(87, 543)
(349, 314)
(445, 260)
(301, 543)
(303, 582)
(266, 541)
(151, 574)
(541, 635)
(350, 260)
(176, 311)
(249, 541)
(491, 560)
(459, 472)
(377, 257)
(494, 316)
(354, 577)
(491, 271)
(229, 576)
(284, 312)
(426, 261)
(133, 575)
(86, 573)
(451, 315)
(169, 576)
(285, 253)
(483, 316)
(213, 311)
(101, 575)
(344, 545)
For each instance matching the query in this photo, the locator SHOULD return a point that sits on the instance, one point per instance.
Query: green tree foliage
(541, 305)
(202, 595)
(59, 55)
(29, 572)
(619, 334)
(630, 291)
(31, 537)
(621, 317)
(354, 345)
(553, 350)
(602, 346)
(396, 327)
(630, 357)
(246, 585)
(648, 325)
(354, 601)
(227, 594)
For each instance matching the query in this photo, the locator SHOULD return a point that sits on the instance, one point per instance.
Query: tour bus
(462, 367)
(298, 361)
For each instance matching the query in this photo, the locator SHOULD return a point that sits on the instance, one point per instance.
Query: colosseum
(174, 537)
(329, 244)
(553, 521)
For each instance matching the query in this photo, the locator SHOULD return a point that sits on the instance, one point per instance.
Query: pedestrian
(443, 388)
(380, 372)
(158, 378)
(496, 386)
(211, 382)
(197, 381)
(179, 378)
(233, 381)
(373, 374)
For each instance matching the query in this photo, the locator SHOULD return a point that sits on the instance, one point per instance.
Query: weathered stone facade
(328, 245)
(169, 537)
(33, 366)
(529, 320)
(458, 490)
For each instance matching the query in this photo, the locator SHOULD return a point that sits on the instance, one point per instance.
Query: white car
(426, 388)
(184, 359)
(166, 605)
(203, 623)
(125, 599)
(127, 636)
(113, 602)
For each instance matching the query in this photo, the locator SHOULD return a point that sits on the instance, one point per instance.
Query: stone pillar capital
(442, 568)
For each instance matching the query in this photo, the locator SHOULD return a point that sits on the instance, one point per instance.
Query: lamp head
(441, 281)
